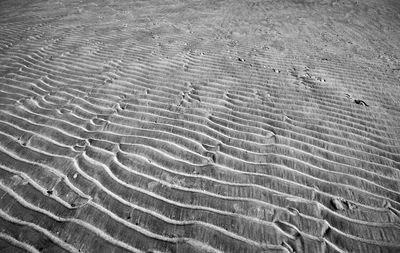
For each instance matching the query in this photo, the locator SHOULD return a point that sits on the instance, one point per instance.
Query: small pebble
(337, 204)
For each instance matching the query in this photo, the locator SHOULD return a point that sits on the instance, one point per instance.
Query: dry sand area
(200, 126)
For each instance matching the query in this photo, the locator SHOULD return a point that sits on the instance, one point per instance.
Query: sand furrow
(176, 183)
(103, 183)
(341, 141)
(36, 232)
(50, 131)
(112, 148)
(175, 124)
(220, 126)
(174, 224)
(60, 225)
(11, 244)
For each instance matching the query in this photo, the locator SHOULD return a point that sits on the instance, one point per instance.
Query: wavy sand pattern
(200, 126)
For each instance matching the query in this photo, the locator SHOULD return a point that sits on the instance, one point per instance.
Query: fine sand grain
(200, 126)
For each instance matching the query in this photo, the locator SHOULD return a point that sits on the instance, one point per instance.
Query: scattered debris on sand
(360, 102)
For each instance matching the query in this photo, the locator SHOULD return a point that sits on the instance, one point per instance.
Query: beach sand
(200, 126)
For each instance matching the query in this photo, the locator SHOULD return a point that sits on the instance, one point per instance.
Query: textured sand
(200, 126)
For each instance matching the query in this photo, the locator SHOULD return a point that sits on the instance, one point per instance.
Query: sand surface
(200, 126)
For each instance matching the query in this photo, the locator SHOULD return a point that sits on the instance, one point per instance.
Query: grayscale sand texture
(200, 126)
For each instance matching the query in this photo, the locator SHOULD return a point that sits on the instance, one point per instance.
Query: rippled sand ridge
(200, 126)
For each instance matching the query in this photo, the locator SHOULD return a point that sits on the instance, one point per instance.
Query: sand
(200, 126)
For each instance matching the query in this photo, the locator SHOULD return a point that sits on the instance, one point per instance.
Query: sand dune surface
(200, 126)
